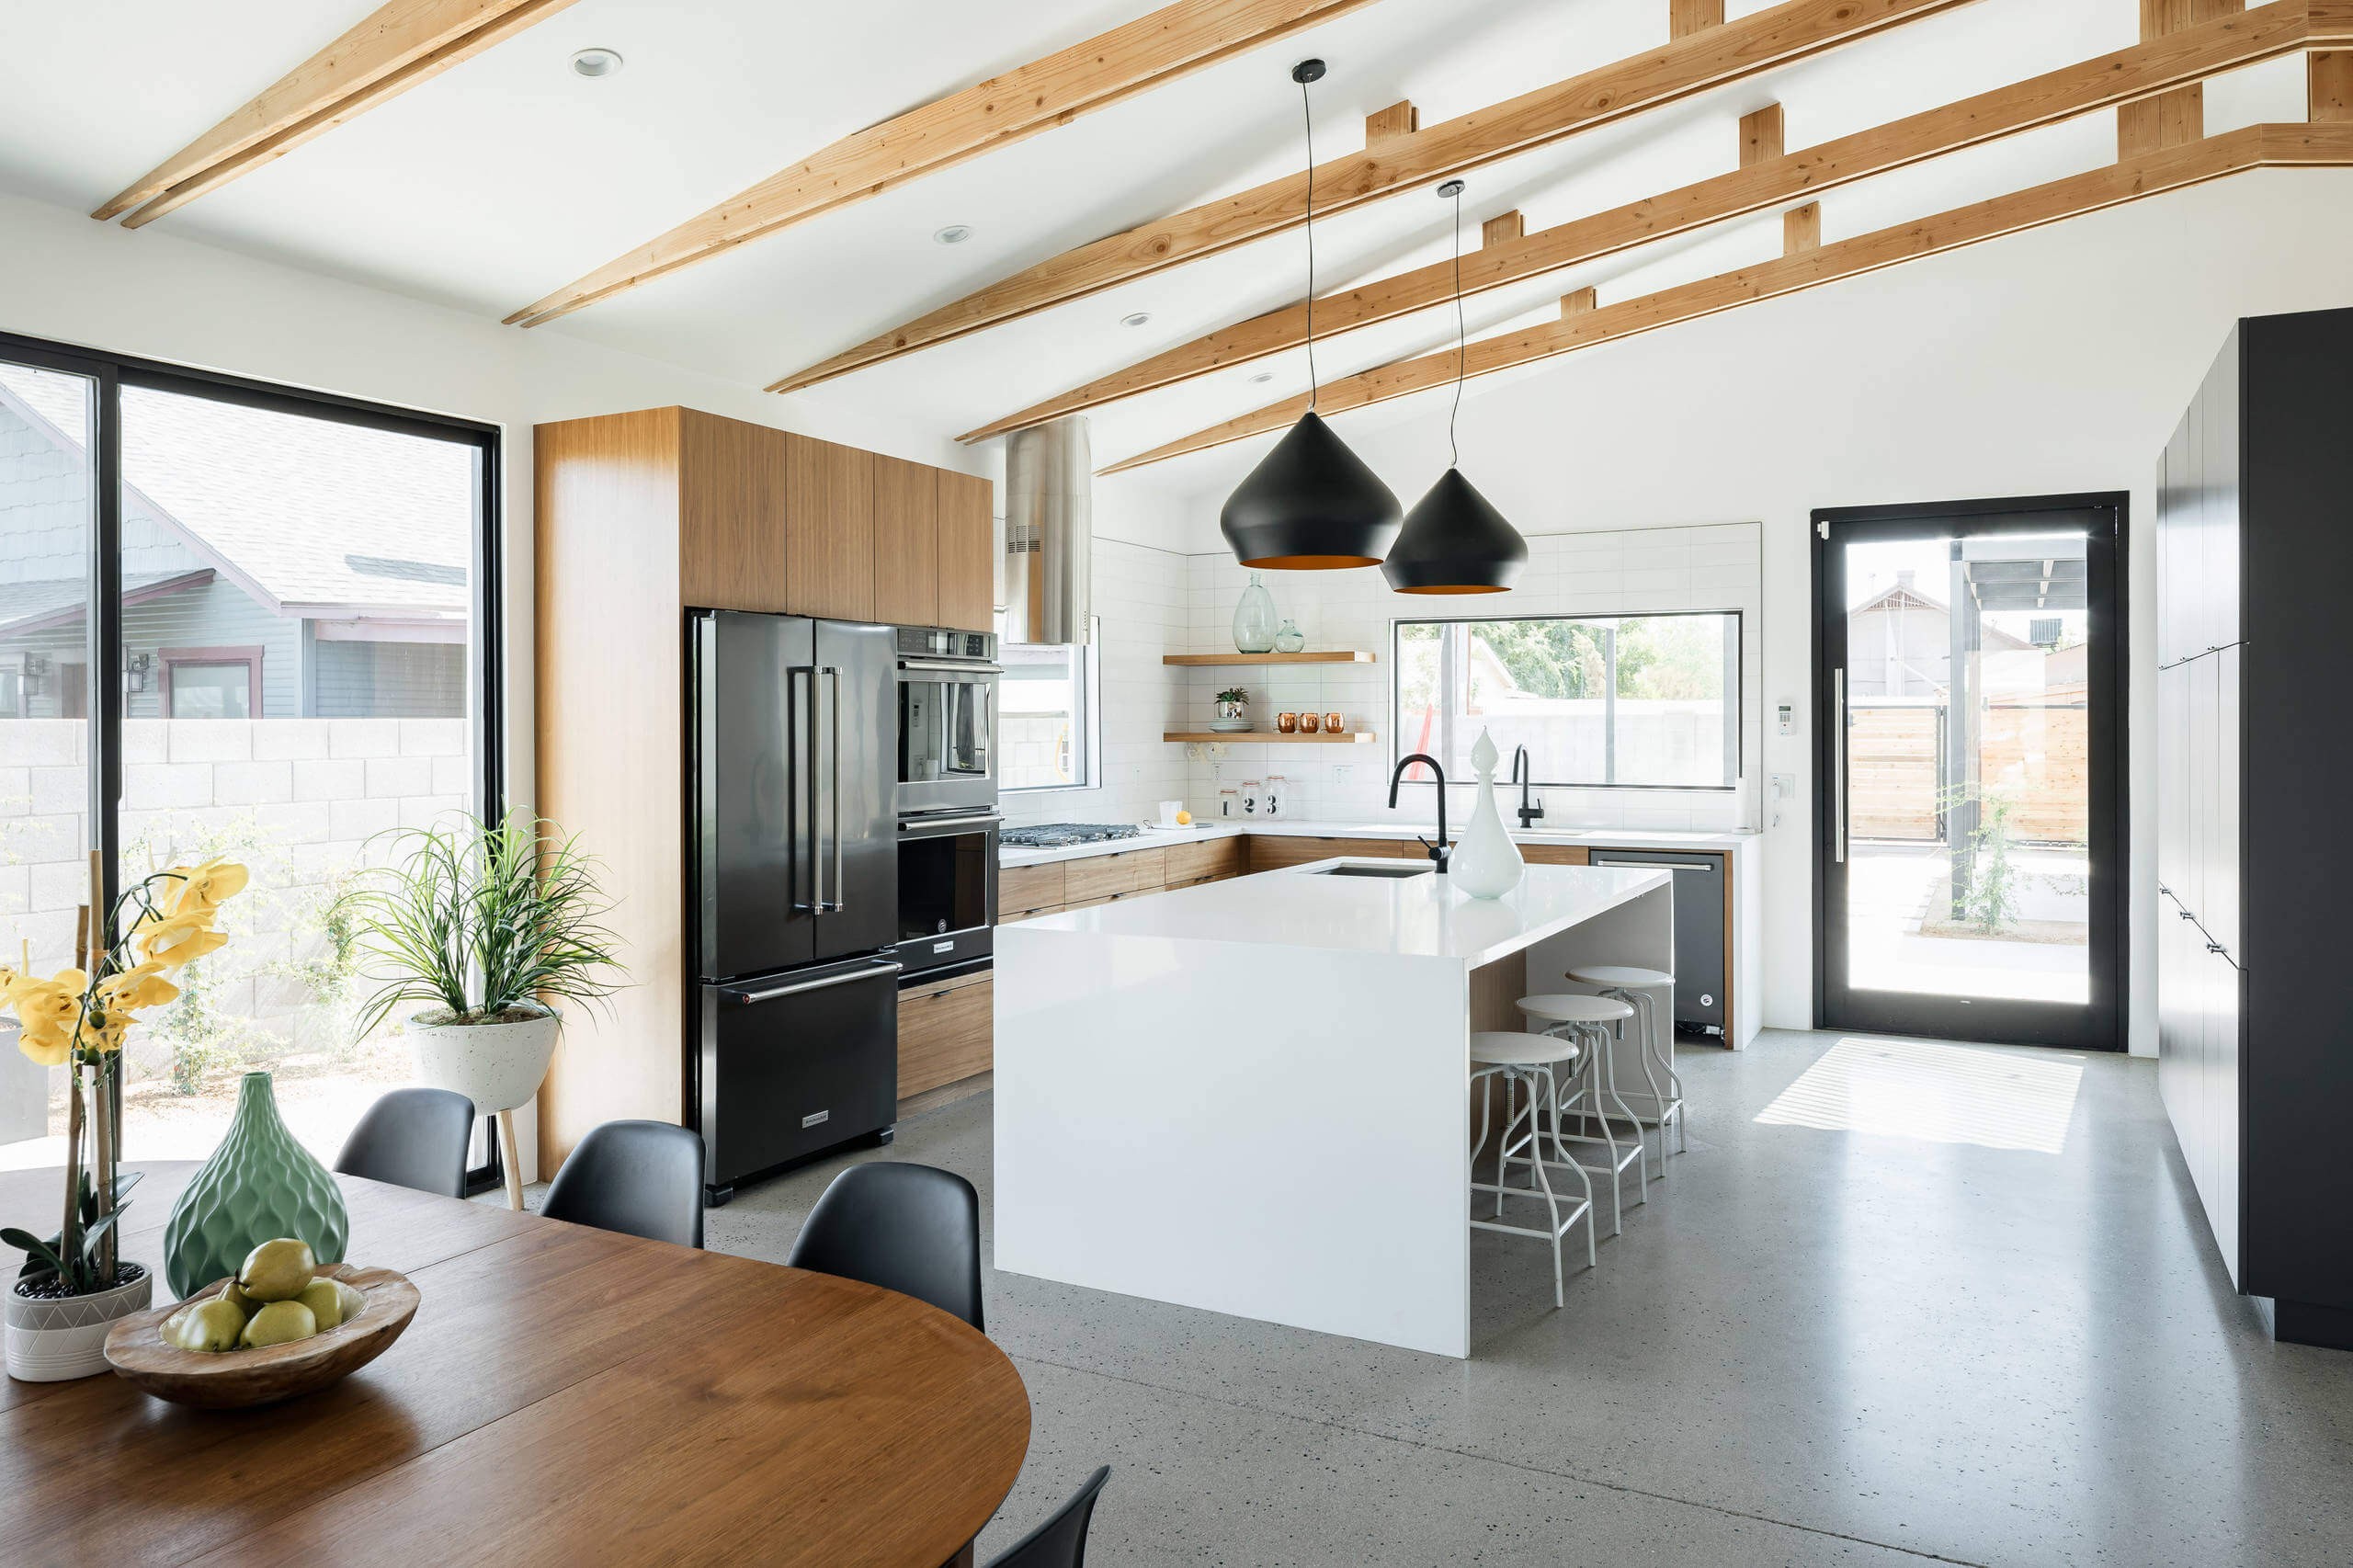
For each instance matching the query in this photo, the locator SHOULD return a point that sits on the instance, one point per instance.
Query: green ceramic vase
(260, 1185)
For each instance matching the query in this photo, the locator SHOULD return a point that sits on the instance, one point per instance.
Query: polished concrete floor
(1899, 1304)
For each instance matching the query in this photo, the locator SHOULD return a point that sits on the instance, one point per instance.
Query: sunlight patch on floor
(1939, 1094)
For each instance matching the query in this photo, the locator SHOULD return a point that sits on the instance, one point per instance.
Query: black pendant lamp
(1311, 505)
(1454, 540)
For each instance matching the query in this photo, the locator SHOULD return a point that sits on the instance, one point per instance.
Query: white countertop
(1395, 827)
(1421, 916)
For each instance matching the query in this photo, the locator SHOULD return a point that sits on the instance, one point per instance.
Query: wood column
(2176, 117)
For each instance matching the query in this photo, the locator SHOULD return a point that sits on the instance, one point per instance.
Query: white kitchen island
(1253, 1095)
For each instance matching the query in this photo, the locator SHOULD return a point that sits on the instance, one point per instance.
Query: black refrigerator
(793, 838)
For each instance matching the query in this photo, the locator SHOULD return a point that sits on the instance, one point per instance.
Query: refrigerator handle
(876, 972)
(834, 673)
(805, 781)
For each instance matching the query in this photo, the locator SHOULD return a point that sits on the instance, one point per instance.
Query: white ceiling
(509, 175)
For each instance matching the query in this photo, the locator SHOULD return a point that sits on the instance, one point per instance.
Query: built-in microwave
(947, 889)
(947, 720)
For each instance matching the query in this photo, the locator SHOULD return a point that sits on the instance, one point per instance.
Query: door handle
(952, 666)
(834, 767)
(1838, 765)
(929, 825)
(770, 993)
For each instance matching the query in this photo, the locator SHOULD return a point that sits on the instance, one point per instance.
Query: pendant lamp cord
(1307, 115)
(1454, 451)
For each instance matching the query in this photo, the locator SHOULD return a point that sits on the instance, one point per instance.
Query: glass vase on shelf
(1290, 639)
(1254, 620)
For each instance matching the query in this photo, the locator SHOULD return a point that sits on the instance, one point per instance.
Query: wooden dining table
(565, 1395)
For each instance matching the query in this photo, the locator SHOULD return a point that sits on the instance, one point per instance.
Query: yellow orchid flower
(207, 887)
(142, 985)
(103, 1031)
(48, 1010)
(180, 939)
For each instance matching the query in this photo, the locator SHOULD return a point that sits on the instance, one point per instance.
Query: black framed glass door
(1970, 756)
(243, 621)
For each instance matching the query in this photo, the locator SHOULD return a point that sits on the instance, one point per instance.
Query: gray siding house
(273, 565)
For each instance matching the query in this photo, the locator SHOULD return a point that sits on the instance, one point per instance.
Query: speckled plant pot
(261, 1184)
(52, 1341)
(497, 1066)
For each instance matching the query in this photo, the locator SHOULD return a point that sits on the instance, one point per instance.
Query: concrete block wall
(297, 798)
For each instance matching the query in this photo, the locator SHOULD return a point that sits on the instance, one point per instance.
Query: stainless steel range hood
(1050, 533)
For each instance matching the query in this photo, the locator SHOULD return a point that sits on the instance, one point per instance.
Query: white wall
(2050, 361)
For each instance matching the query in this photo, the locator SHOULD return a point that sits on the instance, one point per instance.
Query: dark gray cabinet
(2255, 657)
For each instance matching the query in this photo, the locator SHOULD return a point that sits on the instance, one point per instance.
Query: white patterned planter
(51, 1342)
(497, 1066)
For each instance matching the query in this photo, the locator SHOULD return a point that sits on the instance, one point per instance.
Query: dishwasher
(1699, 932)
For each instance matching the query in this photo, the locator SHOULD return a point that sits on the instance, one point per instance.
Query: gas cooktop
(1061, 834)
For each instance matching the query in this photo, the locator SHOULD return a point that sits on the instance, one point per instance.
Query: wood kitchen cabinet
(967, 552)
(946, 1030)
(829, 530)
(906, 543)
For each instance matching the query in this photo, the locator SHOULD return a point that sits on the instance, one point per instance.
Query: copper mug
(1334, 724)
(1288, 722)
(1310, 722)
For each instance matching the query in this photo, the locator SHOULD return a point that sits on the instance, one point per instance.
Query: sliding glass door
(1970, 867)
(289, 603)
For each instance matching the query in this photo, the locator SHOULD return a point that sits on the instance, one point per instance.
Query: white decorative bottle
(1486, 863)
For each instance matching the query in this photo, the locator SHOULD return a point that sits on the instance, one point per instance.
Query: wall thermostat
(1785, 720)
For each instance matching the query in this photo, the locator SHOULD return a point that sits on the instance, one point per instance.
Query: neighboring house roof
(1899, 597)
(40, 602)
(279, 500)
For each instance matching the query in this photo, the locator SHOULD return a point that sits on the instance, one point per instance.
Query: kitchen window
(1628, 702)
(1048, 730)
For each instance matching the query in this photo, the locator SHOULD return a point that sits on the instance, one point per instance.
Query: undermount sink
(1391, 871)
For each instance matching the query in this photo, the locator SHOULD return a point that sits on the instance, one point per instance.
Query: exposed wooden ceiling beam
(1801, 228)
(1400, 118)
(2128, 73)
(1760, 136)
(1762, 41)
(2329, 82)
(1171, 42)
(2172, 168)
(392, 50)
(1503, 228)
(2172, 119)
(1685, 17)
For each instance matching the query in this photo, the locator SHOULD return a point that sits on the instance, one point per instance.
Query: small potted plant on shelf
(75, 1285)
(492, 926)
(1232, 709)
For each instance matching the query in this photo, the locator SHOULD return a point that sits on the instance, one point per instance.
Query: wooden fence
(2039, 756)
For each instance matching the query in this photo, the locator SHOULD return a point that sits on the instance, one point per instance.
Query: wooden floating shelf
(1265, 737)
(1329, 656)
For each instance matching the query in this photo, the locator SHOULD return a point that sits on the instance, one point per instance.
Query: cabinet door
(828, 529)
(967, 552)
(947, 1032)
(731, 514)
(2220, 911)
(2218, 507)
(906, 543)
(2224, 1022)
(2173, 478)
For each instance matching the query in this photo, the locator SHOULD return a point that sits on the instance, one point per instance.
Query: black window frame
(1737, 685)
(109, 373)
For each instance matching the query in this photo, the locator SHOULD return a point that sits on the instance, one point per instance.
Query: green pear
(235, 1293)
(278, 1323)
(209, 1324)
(323, 1296)
(276, 1271)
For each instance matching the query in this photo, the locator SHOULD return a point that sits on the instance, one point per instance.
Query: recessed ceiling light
(597, 62)
(954, 235)
(1262, 378)
(1135, 318)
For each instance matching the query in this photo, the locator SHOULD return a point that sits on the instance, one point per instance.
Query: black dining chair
(913, 1229)
(643, 1178)
(1061, 1541)
(413, 1138)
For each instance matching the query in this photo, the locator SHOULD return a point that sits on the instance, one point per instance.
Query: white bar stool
(1530, 1059)
(1588, 1019)
(1626, 982)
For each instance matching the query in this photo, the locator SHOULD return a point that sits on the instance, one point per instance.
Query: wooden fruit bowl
(232, 1379)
